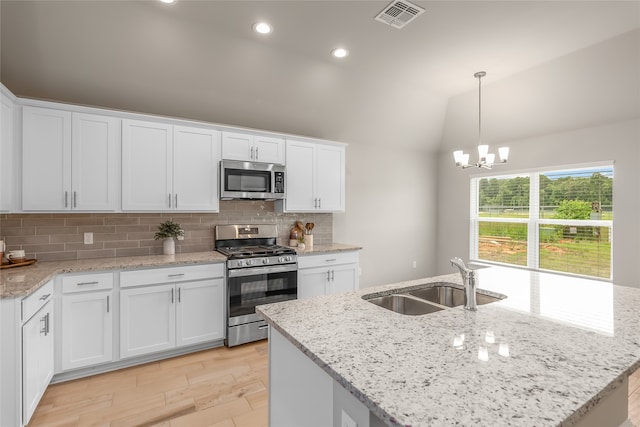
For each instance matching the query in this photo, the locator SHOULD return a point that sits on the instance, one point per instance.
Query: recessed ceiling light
(340, 52)
(262, 28)
(168, 1)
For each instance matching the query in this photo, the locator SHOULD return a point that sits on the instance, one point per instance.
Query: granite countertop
(328, 248)
(19, 282)
(570, 342)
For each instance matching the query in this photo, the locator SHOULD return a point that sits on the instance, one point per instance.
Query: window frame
(533, 221)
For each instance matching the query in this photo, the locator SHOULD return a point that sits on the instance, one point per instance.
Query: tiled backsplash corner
(60, 236)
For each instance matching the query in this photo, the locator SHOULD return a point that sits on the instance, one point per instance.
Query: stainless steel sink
(449, 296)
(405, 304)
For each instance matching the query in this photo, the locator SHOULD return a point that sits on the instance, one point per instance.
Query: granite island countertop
(20, 282)
(570, 342)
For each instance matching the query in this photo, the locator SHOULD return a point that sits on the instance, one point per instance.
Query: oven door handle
(242, 272)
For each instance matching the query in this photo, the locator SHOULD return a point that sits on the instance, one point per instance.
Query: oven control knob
(265, 260)
(281, 259)
(288, 258)
(240, 263)
(249, 262)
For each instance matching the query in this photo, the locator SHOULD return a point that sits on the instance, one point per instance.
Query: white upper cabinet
(147, 171)
(196, 153)
(245, 147)
(167, 167)
(7, 144)
(46, 159)
(315, 177)
(94, 162)
(69, 161)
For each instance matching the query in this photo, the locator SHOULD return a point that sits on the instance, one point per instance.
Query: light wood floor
(221, 388)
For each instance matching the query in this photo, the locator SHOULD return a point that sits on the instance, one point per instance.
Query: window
(559, 220)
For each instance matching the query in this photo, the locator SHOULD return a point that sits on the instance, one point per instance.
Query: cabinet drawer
(170, 274)
(311, 261)
(32, 303)
(87, 282)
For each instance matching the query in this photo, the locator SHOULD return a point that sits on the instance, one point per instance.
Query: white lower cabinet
(86, 319)
(87, 329)
(165, 316)
(147, 320)
(327, 274)
(37, 351)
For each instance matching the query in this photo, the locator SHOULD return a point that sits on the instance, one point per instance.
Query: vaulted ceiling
(201, 60)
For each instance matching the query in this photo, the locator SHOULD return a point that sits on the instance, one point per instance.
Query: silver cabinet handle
(44, 297)
(319, 203)
(107, 303)
(66, 199)
(328, 275)
(251, 155)
(176, 275)
(330, 260)
(75, 199)
(45, 327)
(179, 294)
(333, 275)
(175, 205)
(263, 327)
(315, 203)
(169, 199)
(172, 296)
(87, 283)
(257, 153)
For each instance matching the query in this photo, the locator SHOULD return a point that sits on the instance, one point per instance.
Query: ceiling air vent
(399, 13)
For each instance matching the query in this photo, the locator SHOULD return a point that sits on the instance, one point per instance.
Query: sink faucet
(469, 281)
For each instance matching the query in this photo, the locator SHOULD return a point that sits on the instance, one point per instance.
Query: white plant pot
(169, 246)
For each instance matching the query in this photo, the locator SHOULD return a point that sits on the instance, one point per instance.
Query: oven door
(250, 287)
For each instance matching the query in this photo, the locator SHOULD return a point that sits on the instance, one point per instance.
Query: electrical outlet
(347, 421)
(88, 238)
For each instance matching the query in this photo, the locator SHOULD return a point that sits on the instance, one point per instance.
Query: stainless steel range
(258, 272)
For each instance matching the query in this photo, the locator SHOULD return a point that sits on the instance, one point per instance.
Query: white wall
(390, 212)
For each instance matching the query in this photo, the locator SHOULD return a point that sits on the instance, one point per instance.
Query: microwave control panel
(279, 182)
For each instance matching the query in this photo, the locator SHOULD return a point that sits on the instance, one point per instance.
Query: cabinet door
(37, 359)
(147, 320)
(344, 278)
(7, 144)
(313, 282)
(268, 150)
(87, 329)
(195, 169)
(330, 183)
(94, 171)
(46, 159)
(146, 166)
(300, 177)
(200, 311)
(237, 146)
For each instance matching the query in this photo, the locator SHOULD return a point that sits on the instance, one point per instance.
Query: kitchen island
(557, 351)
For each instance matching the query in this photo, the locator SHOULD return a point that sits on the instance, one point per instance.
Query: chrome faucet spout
(469, 281)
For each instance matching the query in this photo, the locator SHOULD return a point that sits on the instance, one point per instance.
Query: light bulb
(340, 52)
(457, 157)
(503, 152)
(490, 158)
(482, 151)
(262, 28)
(465, 159)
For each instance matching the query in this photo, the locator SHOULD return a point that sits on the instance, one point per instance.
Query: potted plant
(169, 231)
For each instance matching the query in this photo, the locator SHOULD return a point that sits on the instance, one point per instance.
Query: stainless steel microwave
(251, 180)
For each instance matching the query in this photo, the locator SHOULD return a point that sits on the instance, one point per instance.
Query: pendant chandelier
(486, 160)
